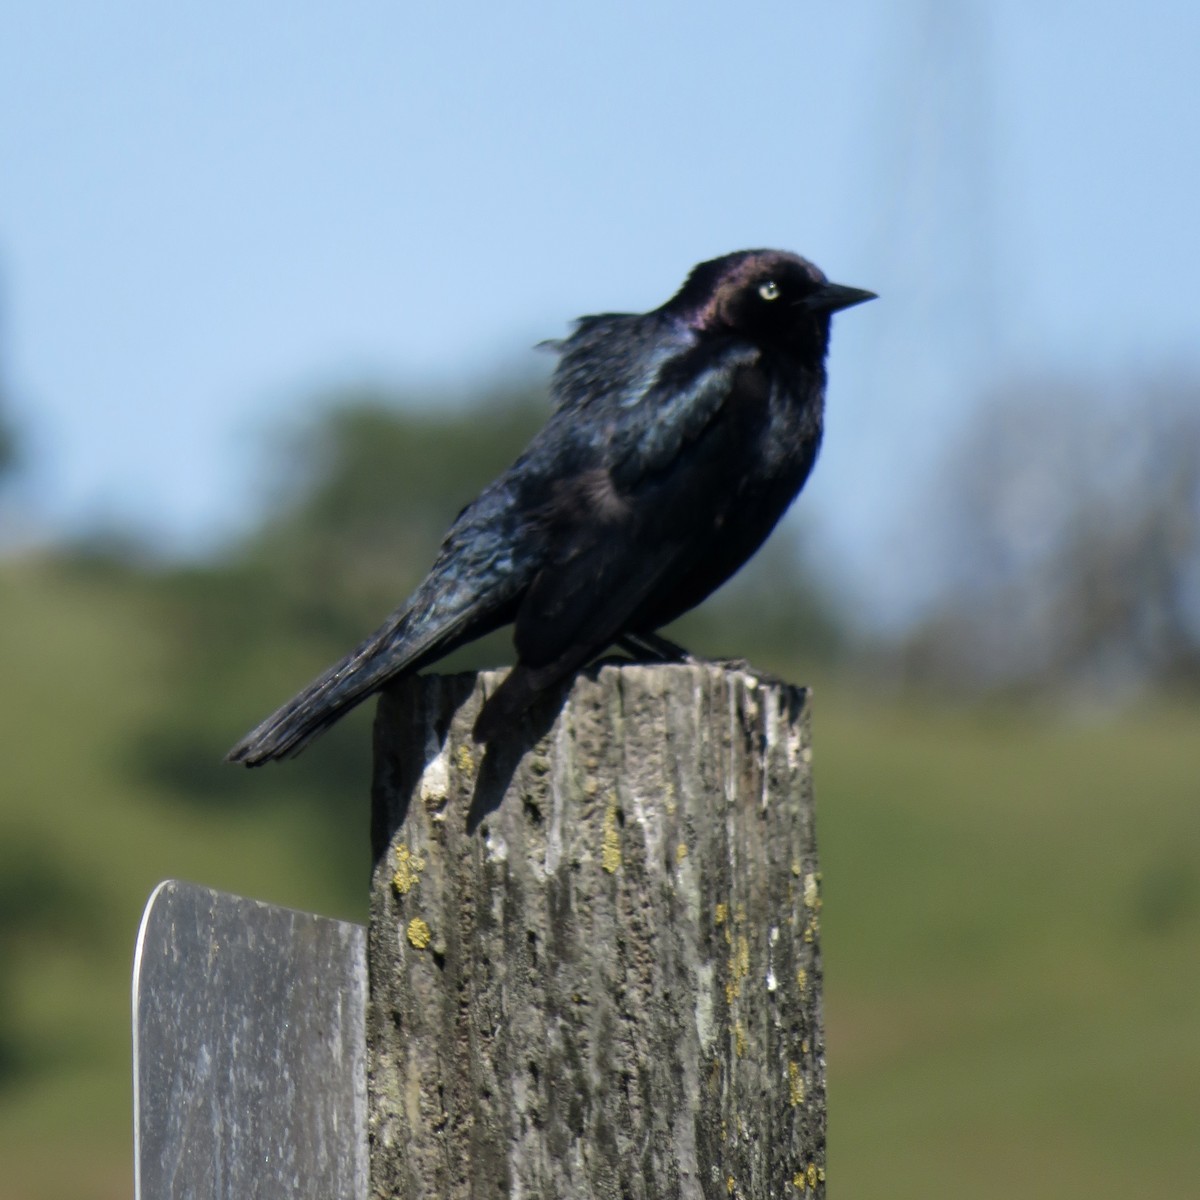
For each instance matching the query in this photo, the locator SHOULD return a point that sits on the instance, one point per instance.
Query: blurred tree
(371, 488)
(1069, 529)
(39, 902)
(8, 438)
(8, 443)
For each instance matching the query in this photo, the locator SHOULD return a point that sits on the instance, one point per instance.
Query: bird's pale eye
(769, 290)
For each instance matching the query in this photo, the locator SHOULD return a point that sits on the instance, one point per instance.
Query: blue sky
(210, 213)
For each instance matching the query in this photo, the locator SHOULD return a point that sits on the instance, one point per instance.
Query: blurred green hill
(1012, 898)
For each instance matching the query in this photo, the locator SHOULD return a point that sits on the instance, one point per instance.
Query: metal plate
(249, 1073)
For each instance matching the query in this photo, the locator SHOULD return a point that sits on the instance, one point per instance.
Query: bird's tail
(409, 640)
(327, 699)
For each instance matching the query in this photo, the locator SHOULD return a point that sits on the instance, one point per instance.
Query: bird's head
(768, 296)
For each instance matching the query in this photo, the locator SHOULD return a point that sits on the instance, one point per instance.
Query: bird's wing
(629, 391)
(687, 394)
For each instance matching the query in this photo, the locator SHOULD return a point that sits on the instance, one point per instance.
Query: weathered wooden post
(594, 953)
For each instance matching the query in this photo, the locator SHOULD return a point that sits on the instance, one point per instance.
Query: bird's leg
(655, 647)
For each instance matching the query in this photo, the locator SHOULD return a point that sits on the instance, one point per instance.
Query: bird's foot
(653, 647)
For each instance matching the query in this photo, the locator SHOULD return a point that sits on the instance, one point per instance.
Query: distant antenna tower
(936, 201)
(939, 340)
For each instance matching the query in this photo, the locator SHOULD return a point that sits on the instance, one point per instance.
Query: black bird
(678, 439)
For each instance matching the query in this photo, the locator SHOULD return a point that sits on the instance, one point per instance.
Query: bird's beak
(833, 297)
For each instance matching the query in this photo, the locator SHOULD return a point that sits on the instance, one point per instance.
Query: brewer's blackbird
(677, 440)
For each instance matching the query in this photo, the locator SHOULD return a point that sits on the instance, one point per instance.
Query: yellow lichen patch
(610, 853)
(730, 1185)
(721, 917)
(408, 869)
(812, 898)
(802, 980)
(418, 933)
(806, 1178)
(739, 1039)
(811, 929)
(805, 1048)
(464, 760)
(796, 867)
(739, 968)
(795, 1085)
(681, 852)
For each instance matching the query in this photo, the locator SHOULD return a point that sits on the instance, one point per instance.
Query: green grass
(1011, 932)
(1011, 924)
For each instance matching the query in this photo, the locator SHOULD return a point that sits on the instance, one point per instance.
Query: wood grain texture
(594, 950)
